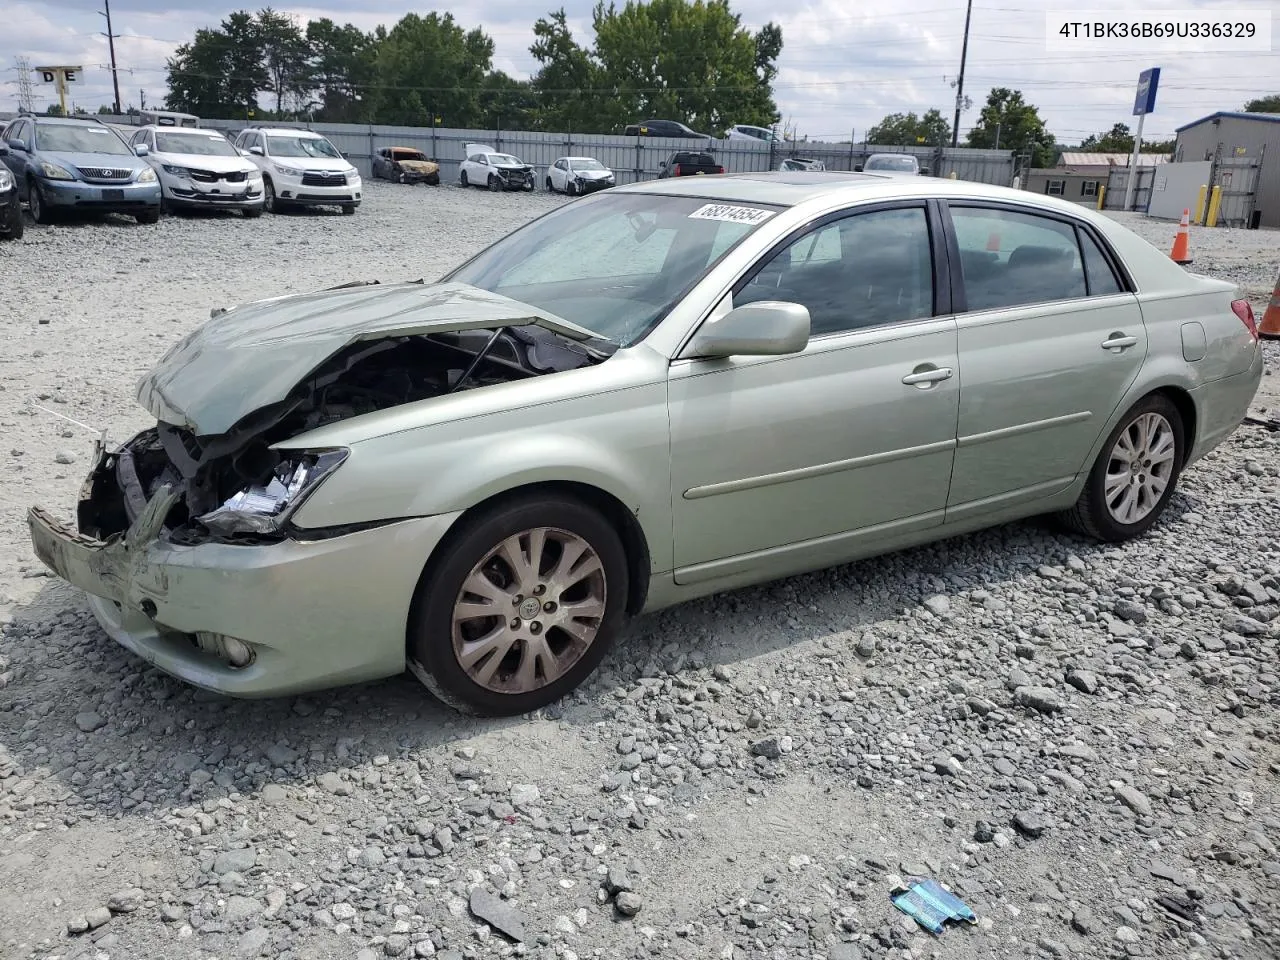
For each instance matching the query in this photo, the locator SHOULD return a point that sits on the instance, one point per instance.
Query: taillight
(1242, 310)
(677, 173)
(719, 169)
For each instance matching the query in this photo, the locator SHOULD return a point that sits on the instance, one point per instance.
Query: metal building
(1244, 149)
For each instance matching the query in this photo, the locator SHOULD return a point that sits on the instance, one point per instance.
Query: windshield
(587, 165)
(77, 139)
(503, 159)
(613, 263)
(891, 163)
(280, 146)
(198, 144)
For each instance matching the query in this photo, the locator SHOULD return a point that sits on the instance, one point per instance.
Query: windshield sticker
(730, 214)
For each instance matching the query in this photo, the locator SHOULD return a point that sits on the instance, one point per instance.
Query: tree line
(692, 61)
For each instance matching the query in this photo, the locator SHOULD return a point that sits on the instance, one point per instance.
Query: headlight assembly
(6, 179)
(147, 176)
(175, 171)
(264, 508)
(287, 171)
(55, 172)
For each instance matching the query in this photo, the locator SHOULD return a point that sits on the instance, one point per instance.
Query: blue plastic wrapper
(931, 906)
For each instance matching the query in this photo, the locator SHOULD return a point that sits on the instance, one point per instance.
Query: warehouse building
(1244, 151)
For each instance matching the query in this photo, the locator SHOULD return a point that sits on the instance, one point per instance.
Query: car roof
(788, 189)
(292, 131)
(68, 121)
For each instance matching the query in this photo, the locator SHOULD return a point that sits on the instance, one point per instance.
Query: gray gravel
(1081, 741)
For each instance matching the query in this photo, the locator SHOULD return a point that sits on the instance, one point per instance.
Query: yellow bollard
(1215, 202)
(1198, 220)
(1102, 193)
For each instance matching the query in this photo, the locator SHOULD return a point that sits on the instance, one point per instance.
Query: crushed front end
(186, 547)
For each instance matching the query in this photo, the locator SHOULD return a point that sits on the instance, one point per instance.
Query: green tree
(568, 83)
(430, 65)
(507, 103)
(1119, 139)
(682, 60)
(55, 110)
(1269, 104)
(906, 129)
(1016, 123)
(220, 72)
(341, 68)
(285, 55)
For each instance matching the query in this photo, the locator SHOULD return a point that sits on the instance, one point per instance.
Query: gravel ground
(1081, 741)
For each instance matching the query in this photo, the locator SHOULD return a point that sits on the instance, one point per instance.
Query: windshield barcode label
(724, 211)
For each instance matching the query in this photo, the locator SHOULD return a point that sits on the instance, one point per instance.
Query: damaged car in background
(653, 393)
(486, 167)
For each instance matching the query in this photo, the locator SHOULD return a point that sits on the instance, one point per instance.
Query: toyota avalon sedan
(657, 392)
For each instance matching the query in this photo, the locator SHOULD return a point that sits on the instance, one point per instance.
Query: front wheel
(520, 609)
(550, 188)
(1135, 474)
(494, 185)
(148, 216)
(11, 223)
(462, 179)
(252, 213)
(269, 201)
(349, 208)
(40, 211)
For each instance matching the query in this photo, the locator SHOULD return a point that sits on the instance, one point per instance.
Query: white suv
(300, 168)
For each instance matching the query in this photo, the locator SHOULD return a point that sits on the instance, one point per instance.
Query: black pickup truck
(687, 163)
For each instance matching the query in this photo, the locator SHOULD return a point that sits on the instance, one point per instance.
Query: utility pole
(110, 41)
(142, 99)
(964, 54)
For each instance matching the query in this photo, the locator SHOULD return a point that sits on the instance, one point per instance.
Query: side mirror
(256, 151)
(19, 145)
(245, 153)
(766, 328)
(141, 149)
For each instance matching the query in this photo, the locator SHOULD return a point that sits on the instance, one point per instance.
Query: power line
(26, 93)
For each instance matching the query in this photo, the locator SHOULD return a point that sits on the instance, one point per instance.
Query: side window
(17, 132)
(863, 270)
(1009, 259)
(1102, 279)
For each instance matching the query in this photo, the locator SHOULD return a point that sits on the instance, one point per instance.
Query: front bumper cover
(315, 613)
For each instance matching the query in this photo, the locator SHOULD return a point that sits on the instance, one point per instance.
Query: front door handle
(924, 378)
(1118, 341)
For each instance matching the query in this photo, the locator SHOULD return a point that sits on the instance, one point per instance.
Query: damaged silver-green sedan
(658, 392)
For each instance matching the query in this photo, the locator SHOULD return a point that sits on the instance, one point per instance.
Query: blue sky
(840, 71)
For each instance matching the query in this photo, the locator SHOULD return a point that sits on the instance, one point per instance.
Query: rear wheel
(521, 608)
(1135, 474)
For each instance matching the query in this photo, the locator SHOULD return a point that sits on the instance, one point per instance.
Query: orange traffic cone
(1270, 325)
(1181, 252)
(993, 242)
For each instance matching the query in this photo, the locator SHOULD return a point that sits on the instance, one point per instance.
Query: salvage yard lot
(765, 764)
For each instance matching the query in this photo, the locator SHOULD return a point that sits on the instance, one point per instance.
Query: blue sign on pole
(1145, 101)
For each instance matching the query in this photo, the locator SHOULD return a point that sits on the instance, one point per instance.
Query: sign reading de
(1145, 101)
(60, 77)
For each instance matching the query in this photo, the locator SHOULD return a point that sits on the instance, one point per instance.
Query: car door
(780, 459)
(1050, 340)
(16, 160)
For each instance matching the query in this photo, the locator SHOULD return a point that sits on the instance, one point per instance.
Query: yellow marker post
(1215, 204)
(1102, 193)
(1198, 219)
(952, 175)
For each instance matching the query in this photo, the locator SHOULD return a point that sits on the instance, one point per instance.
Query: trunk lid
(255, 354)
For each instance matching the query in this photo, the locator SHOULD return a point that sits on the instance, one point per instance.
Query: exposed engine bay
(232, 487)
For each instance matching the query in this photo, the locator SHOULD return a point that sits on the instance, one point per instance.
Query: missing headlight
(262, 508)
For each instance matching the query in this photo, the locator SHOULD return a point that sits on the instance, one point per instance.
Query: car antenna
(101, 434)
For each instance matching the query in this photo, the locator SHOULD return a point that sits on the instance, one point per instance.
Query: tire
(40, 211)
(550, 188)
(148, 216)
(12, 224)
(269, 201)
(571, 188)
(462, 179)
(1105, 518)
(252, 213)
(433, 636)
(494, 185)
(433, 180)
(402, 178)
(349, 209)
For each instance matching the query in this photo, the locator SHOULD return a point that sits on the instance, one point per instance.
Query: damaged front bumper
(249, 620)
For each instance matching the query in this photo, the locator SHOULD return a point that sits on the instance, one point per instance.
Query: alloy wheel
(529, 610)
(1140, 468)
(268, 196)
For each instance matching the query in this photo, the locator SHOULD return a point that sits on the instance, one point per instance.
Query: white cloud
(839, 71)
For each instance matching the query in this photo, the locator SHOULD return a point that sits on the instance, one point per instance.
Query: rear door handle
(1118, 341)
(922, 378)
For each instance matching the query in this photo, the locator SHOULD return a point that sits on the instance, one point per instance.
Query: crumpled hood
(593, 174)
(419, 166)
(255, 354)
